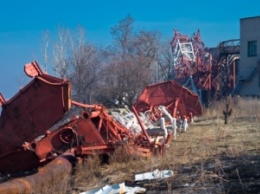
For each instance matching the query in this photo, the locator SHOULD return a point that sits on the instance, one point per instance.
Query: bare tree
(117, 73)
(146, 46)
(78, 38)
(78, 61)
(165, 62)
(85, 68)
(123, 33)
(130, 65)
(85, 65)
(45, 47)
(61, 53)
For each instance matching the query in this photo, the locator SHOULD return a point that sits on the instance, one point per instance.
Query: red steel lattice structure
(211, 71)
(178, 100)
(191, 59)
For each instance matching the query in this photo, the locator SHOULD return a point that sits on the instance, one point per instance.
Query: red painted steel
(2, 100)
(140, 122)
(32, 69)
(53, 177)
(27, 117)
(213, 70)
(33, 110)
(173, 96)
(191, 59)
(17, 161)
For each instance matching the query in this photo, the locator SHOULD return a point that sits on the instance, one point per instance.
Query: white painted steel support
(185, 124)
(164, 127)
(173, 121)
(174, 128)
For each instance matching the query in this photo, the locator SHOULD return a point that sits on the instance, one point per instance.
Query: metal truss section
(213, 71)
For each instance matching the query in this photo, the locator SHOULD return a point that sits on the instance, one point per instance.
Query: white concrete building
(249, 65)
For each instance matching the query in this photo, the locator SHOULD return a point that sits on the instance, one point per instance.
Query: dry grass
(89, 171)
(206, 139)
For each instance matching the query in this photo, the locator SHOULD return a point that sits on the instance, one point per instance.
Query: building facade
(249, 65)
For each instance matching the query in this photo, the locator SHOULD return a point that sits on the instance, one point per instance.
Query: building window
(251, 49)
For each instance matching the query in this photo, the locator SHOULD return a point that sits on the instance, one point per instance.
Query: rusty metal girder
(173, 96)
(191, 59)
(53, 177)
(27, 118)
(27, 115)
(213, 70)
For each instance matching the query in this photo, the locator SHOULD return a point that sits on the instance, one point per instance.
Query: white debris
(173, 120)
(165, 112)
(163, 127)
(129, 120)
(116, 189)
(174, 127)
(185, 124)
(156, 174)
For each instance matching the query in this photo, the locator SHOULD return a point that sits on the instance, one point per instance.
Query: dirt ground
(223, 175)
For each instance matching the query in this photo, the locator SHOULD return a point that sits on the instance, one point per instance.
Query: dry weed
(207, 138)
(88, 172)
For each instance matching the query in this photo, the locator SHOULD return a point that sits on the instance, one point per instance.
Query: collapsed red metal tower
(178, 100)
(30, 136)
(213, 71)
(191, 59)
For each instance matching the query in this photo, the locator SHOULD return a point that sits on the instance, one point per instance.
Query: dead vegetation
(209, 157)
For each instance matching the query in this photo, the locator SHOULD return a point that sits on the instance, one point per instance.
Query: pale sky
(22, 23)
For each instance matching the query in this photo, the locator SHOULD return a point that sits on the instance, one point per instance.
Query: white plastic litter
(156, 174)
(116, 189)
